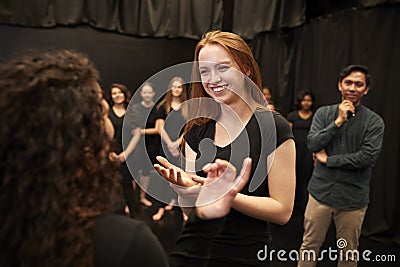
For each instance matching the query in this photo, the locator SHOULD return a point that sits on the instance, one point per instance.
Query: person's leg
(171, 198)
(348, 230)
(171, 204)
(159, 206)
(159, 186)
(128, 189)
(317, 220)
(144, 184)
(144, 165)
(159, 214)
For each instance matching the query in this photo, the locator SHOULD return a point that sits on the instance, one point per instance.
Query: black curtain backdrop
(294, 49)
(255, 16)
(119, 58)
(161, 18)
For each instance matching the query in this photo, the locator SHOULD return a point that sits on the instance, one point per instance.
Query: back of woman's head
(54, 172)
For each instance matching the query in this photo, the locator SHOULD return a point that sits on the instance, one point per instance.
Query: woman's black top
(241, 236)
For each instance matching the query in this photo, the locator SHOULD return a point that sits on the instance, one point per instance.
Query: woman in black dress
(300, 122)
(170, 122)
(230, 120)
(145, 144)
(120, 97)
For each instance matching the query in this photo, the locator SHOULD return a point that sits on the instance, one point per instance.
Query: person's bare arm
(276, 208)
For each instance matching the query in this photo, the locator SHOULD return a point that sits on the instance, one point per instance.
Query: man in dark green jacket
(346, 139)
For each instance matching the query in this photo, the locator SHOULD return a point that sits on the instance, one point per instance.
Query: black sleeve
(135, 117)
(369, 150)
(192, 138)
(323, 128)
(283, 130)
(161, 113)
(291, 116)
(194, 244)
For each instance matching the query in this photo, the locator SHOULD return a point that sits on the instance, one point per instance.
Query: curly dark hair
(55, 175)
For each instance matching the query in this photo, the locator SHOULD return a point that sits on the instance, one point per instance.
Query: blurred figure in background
(171, 132)
(300, 121)
(146, 142)
(267, 93)
(119, 98)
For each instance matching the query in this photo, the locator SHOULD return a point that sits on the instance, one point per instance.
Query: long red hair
(243, 57)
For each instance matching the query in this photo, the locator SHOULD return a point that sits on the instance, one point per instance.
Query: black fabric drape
(161, 18)
(310, 58)
(372, 3)
(276, 56)
(166, 18)
(256, 16)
